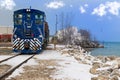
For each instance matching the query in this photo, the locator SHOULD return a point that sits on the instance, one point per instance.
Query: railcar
(31, 31)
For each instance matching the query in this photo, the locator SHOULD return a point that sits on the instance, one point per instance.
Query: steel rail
(9, 58)
(10, 71)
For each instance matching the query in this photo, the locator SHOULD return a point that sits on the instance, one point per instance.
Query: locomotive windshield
(38, 16)
(38, 19)
(28, 16)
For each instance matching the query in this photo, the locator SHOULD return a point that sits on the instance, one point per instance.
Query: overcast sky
(101, 17)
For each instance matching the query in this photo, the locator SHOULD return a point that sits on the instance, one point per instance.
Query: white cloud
(82, 10)
(114, 7)
(55, 4)
(7, 4)
(86, 5)
(109, 7)
(100, 11)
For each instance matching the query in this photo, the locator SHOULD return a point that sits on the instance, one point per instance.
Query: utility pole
(56, 23)
(55, 37)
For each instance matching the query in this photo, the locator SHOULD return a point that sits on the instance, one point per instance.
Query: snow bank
(70, 69)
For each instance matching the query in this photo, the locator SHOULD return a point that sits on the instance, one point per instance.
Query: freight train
(31, 31)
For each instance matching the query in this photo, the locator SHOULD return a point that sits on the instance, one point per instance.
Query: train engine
(31, 31)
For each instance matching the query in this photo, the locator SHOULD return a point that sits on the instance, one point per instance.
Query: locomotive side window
(18, 16)
(18, 19)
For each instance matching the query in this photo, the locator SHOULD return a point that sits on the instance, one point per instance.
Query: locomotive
(31, 31)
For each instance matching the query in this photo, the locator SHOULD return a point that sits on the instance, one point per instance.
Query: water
(111, 48)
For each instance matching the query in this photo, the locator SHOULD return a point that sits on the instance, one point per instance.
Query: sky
(100, 17)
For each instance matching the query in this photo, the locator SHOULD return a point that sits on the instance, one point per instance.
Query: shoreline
(102, 67)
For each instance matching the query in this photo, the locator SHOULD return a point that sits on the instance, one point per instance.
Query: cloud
(109, 7)
(82, 8)
(7, 4)
(86, 5)
(55, 4)
(100, 11)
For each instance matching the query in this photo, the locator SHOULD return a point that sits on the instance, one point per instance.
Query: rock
(119, 66)
(114, 78)
(115, 72)
(104, 60)
(106, 65)
(112, 57)
(93, 71)
(110, 70)
(96, 65)
(94, 78)
(99, 57)
(88, 57)
(64, 52)
(104, 72)
(115, 65)
(84, 62)
(77, 57)
(102, 77)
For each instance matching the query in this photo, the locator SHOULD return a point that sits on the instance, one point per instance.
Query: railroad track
(10, 71)
(9, 58)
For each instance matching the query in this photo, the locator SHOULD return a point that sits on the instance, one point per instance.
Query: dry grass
(39, 72)
(4, 68)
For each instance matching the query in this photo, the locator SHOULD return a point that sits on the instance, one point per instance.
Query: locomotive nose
(26, 45)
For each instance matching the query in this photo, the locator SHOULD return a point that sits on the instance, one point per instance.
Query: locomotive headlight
(27, 10)
(35, 39)
(18, 39)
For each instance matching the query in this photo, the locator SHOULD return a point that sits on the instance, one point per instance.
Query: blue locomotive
(31, 31)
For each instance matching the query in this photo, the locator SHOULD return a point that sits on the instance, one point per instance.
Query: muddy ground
(5, 48)
(4, 68)
(5, 44)
(43, 71)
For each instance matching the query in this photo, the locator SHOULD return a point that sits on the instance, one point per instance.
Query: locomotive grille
(33, 44)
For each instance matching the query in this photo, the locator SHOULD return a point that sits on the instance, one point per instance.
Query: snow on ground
(20, 70)
(2, 57)
(72, 70)
(15, 61)
(69, 68)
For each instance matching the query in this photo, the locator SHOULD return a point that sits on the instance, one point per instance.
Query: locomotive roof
(31, 10)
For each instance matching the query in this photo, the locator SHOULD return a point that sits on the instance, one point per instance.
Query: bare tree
(65, 21)
(86, 36)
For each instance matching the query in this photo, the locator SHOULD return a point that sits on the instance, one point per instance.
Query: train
(30, 31)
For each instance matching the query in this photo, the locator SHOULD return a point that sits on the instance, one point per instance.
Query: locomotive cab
(29, 31)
